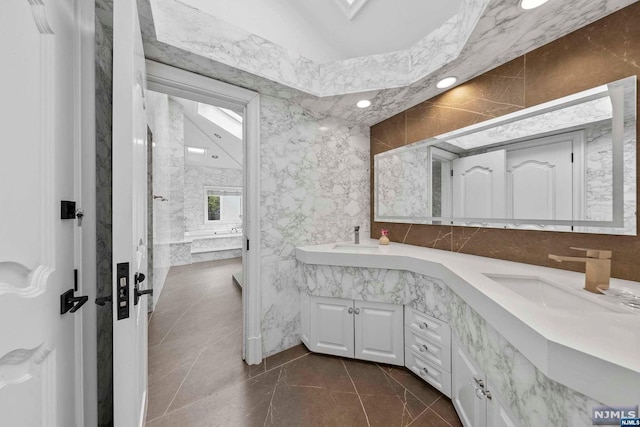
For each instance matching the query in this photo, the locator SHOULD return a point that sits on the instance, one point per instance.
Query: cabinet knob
(350, 311)
(424, 371)
(423, 348)
(357, 311)
(423, 325)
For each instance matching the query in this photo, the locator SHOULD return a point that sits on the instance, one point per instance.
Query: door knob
(71, 303)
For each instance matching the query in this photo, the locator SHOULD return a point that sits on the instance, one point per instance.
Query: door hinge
(75, 280)
(452, 173)
(571, 157)
(247, 244)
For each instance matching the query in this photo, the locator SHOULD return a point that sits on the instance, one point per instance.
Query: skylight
(227, 119)
(351, 7)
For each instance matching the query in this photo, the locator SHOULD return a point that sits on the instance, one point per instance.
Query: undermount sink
(353, 247)
(549, 294)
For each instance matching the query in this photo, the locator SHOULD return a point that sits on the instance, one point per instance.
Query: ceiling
(483, 35)
(322, 31)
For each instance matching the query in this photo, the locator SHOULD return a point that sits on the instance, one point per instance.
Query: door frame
(176, 82)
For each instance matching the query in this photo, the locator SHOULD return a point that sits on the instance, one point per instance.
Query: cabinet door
(469, 402)
(499, 414)
(379, 332)
(331, 326)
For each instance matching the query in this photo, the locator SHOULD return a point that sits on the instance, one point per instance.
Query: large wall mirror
(566, 165)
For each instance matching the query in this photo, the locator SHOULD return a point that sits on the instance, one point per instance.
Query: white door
(466, 394)
(479, 186)
(379, 332)
(498, 414)
(331, 326)
(129, 217)
(39, 107)
(540, 183)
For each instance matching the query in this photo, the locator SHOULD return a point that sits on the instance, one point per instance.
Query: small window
(223, 205)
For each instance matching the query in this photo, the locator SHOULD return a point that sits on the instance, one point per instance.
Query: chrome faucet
(597, 270)
(356, 235)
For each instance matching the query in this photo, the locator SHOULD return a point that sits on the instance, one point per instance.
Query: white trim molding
(173, 81)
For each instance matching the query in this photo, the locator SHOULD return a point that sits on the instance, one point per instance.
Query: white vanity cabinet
(358, 329)
(428, 349)
(474, 397)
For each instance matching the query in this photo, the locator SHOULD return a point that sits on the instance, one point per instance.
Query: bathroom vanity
(511, 344)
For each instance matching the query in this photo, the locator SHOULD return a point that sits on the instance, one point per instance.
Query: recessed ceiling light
(446, 82)
(364, 103)
(323, 128)
(531, 4)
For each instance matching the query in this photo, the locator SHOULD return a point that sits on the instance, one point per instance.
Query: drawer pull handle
(423, 348)
(424, 325)
(424, 371)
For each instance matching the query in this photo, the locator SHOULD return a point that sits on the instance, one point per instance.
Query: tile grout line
(273, 393)
(428, 405)
(357, 394)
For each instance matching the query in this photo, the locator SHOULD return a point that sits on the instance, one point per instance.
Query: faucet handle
(595, 253)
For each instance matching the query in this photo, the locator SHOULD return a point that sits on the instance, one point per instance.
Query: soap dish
(627, 296)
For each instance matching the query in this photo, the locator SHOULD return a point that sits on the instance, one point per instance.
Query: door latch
(139, 278)
(71, 303)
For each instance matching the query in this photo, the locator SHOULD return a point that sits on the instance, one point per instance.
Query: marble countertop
(595, 353)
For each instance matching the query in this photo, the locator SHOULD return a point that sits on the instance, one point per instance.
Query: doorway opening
(196, 184)
(216, 196)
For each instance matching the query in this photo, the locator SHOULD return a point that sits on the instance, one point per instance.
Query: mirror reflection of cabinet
(566, 165)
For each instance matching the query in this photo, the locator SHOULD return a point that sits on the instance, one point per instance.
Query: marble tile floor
(197, 376)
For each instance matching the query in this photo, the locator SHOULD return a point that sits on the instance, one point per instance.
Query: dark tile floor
(197, 376)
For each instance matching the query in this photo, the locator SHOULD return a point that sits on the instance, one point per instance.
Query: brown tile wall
(604, 51)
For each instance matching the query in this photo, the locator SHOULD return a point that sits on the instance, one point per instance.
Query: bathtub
(207, 245)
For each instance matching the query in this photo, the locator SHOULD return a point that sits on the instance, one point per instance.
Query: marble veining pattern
(599, 179)
(402, 183)
(314, 189)
(104, 170)
(534, 398)
(486, 33)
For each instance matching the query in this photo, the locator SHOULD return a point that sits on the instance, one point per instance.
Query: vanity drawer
(432, 352)
(429, 327)
(437, 377)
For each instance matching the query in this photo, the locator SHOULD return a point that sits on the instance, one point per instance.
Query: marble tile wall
(403, 181)
(103, 81)
(176, 171)
(313, 191)
(604, 51)
(534, 398)
(158, 120)
(599, 179)
(196, 178)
